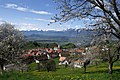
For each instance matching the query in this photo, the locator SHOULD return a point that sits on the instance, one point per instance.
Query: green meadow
(99, 72)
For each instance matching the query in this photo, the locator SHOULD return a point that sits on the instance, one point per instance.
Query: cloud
(16, 7)
(39, 12)
(26, 26)
(39, 19)
(45, 20)
(1, 19)
(11, 5)
(25, 9)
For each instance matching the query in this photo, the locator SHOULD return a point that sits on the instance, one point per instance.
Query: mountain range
(77, 36)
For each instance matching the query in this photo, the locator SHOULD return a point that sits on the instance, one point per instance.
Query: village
(67, 57)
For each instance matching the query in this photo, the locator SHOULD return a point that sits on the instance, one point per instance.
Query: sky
(34, 15)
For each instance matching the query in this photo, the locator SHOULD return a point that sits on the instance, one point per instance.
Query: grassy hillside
(62, 73)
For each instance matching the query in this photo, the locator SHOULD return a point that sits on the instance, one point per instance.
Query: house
(38, 53)
(80, 50)
(64, 58)
(42, 57)
(55, 48)
(78, 64)
(59, 51)
(62, 61)
(76, 51)
(54, 55)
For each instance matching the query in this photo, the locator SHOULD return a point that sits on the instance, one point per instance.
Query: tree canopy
(101, 13)
(11, 40)
(68, 46)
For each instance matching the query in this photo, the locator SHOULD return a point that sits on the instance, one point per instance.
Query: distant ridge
(77, 36)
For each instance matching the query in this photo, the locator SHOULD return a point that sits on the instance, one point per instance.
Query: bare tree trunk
(110, 68)
(38, 66)
(112, 61)
(84, 68)
(1, 66)
(85, 64)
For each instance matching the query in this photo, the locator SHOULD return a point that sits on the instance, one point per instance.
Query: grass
(93, 73)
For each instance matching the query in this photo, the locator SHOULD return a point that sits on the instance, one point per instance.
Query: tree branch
(101, 6)
(116, 9)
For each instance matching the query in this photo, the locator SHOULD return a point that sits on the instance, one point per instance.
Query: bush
(68, 46)
(51, 66)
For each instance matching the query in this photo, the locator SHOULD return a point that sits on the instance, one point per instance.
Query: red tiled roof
(72, 50)
(59, 51)
(62, 58)
(26, 55)
(51, 51)
(80, 50)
